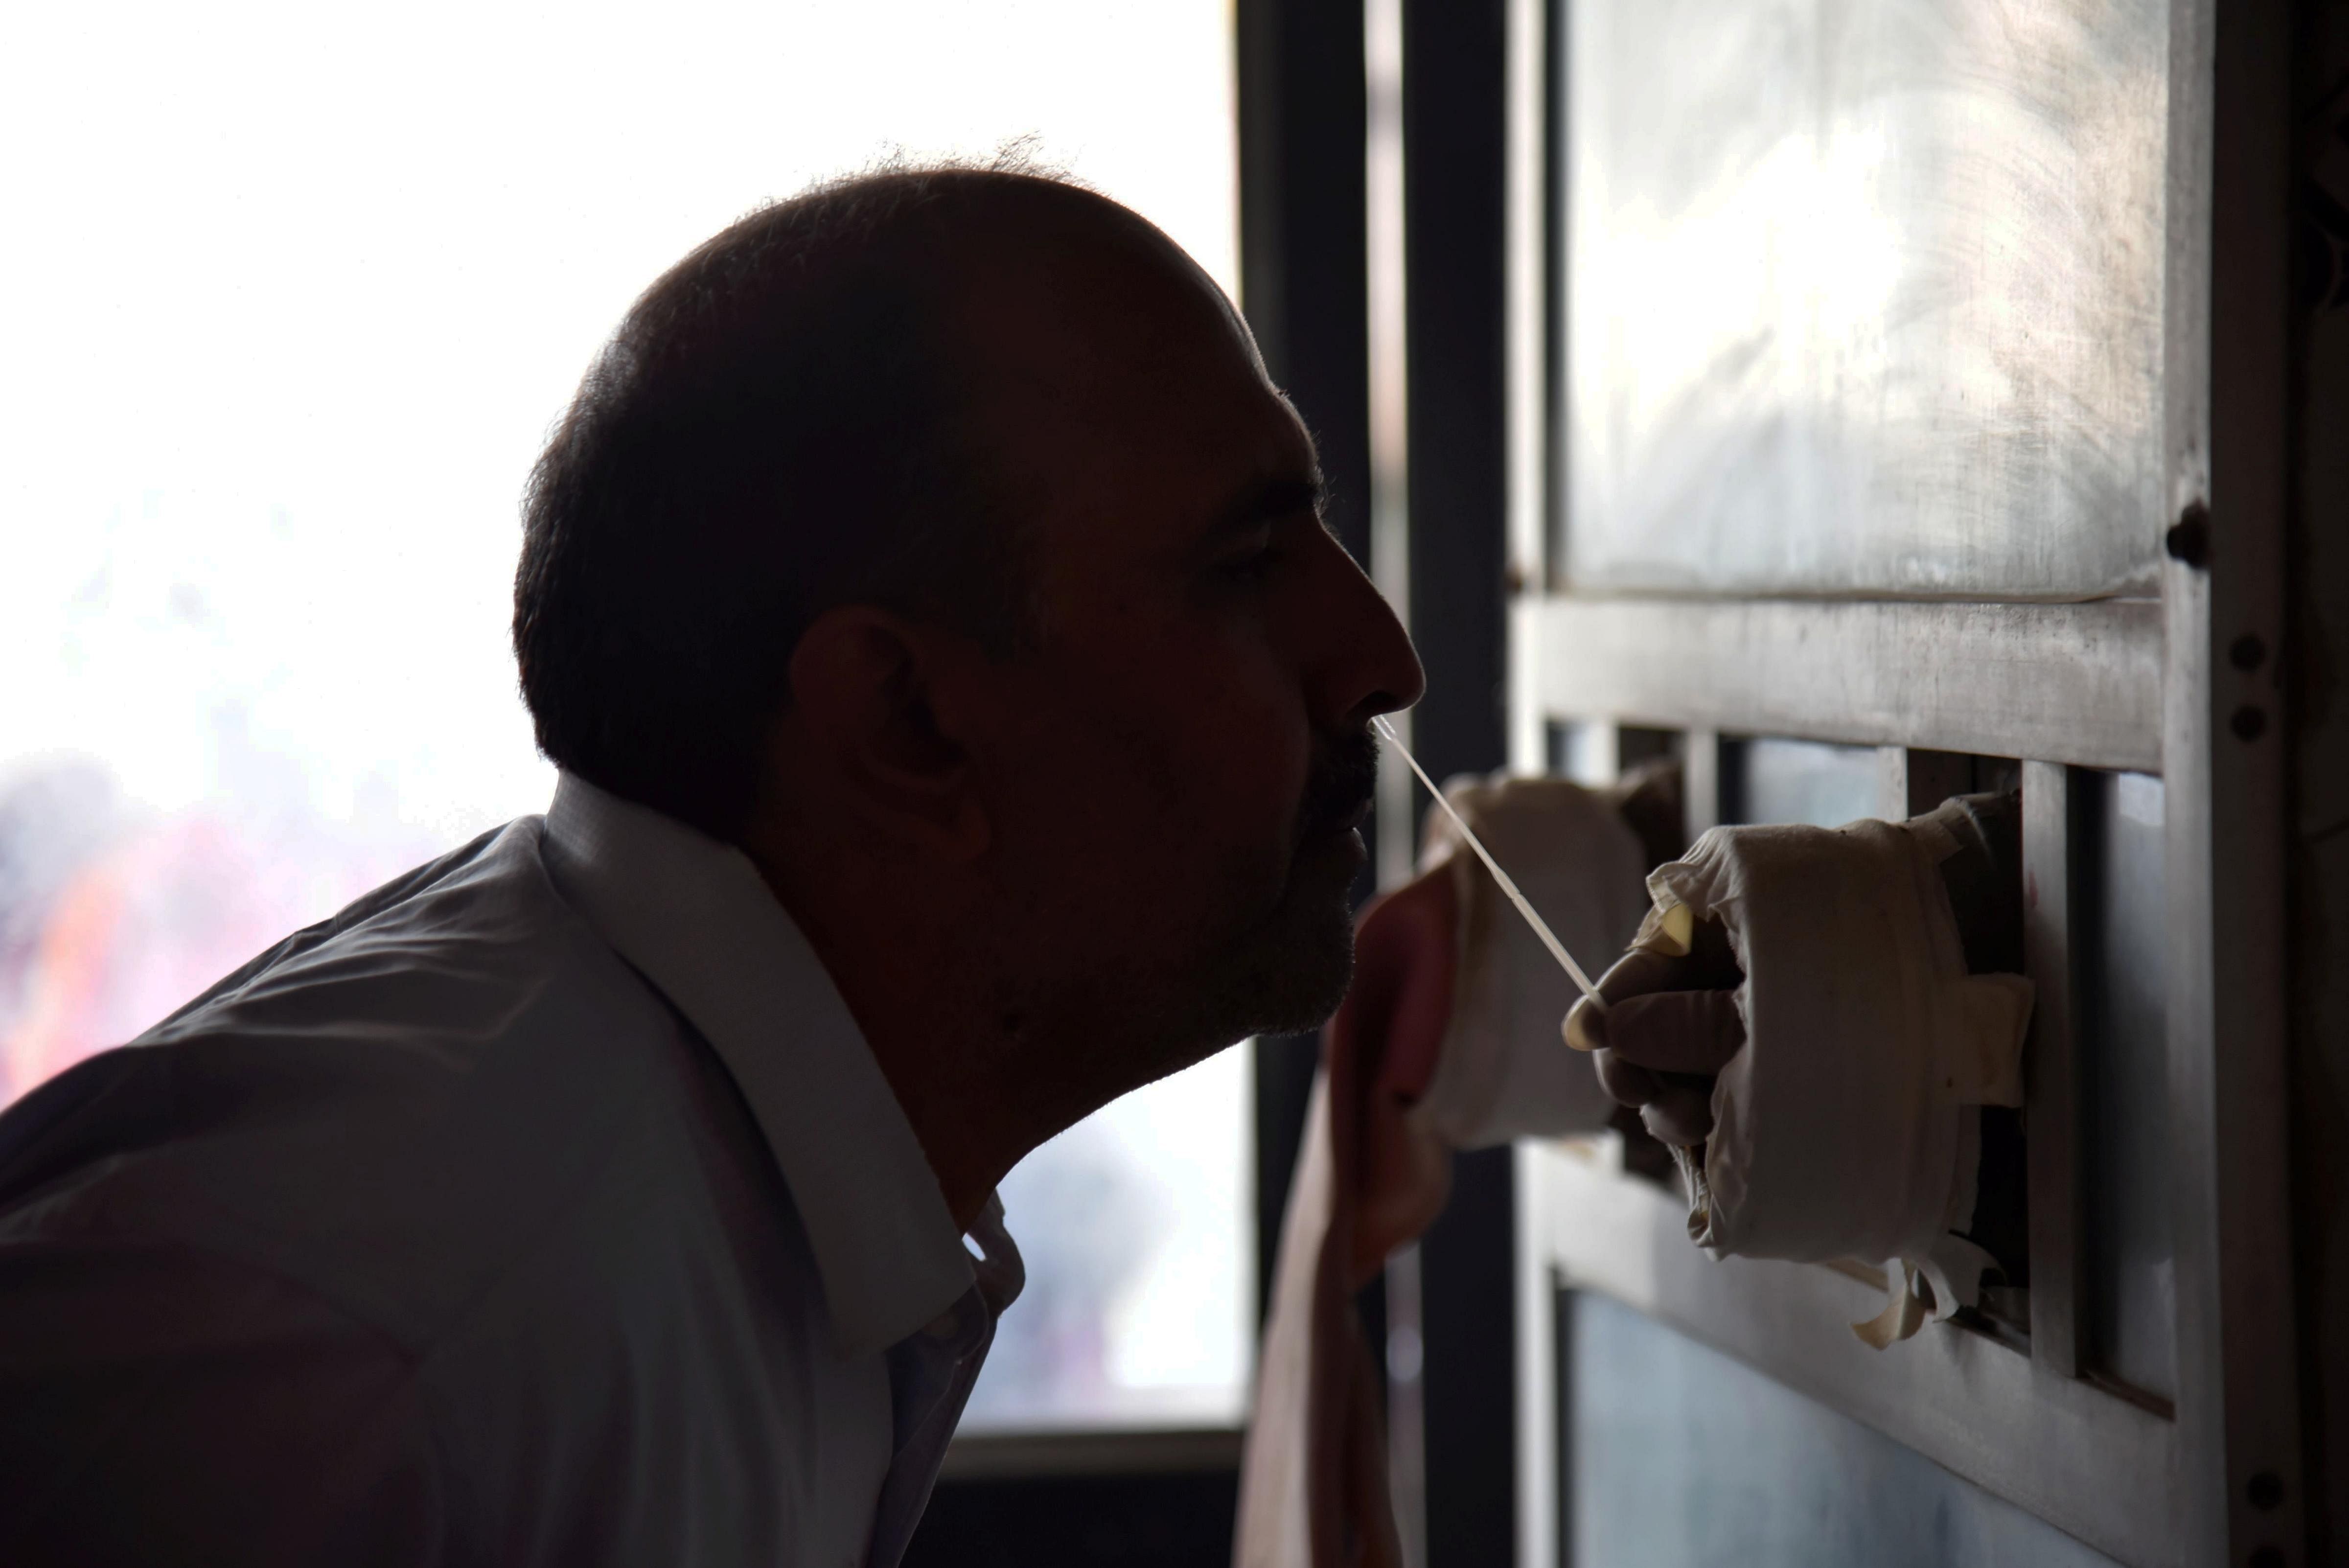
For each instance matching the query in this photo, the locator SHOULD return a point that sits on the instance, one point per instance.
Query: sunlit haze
(294, 294)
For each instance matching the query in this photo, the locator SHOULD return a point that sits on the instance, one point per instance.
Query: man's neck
(952, 1053)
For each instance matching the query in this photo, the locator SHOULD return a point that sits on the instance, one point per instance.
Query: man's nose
(1369, 667)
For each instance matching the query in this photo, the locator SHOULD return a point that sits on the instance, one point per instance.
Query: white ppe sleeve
(1502, 1072)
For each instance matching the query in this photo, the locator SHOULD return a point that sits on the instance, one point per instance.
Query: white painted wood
(2076, 683)
(2052, 1103)
(2227, 422)
(1537, 1369)
(1892, 782)
(1701, 780)
(2139, 683)
(2089, 1462)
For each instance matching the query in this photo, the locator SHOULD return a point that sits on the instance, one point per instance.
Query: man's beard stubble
(1287, 972)
(1283, 971)
(1344, 777)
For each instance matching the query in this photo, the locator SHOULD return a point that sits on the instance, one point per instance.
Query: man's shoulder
(386, 1107)
(431, 949)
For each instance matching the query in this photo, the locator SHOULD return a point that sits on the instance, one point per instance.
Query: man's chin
(1289, 973)
(1298, 973)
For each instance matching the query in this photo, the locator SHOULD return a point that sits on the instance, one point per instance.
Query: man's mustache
(1343, 777)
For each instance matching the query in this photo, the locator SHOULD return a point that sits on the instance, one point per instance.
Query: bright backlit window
(292, 296)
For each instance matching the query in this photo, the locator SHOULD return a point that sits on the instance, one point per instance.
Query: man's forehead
(1112, 381)
(1079, 304)
(1203, 449)
(1135, 355)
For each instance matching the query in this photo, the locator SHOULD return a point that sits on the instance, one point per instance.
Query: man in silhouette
(961, 712)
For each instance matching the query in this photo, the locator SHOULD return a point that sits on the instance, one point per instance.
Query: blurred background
(293, 295)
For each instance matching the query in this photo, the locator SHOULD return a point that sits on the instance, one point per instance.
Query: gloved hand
(1671, 1023)
(1672, 1020)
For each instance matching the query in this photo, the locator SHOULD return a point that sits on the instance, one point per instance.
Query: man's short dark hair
(775, 429)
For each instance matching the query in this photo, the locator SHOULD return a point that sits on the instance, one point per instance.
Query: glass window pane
(1140, 1270)
(1798, 781)
(1583, 752)
(1676, 1454)
(309, 286)
(1864, 299)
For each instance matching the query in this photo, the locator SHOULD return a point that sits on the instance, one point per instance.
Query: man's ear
(863, 695)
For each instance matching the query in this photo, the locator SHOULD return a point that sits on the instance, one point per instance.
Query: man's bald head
(809, 411)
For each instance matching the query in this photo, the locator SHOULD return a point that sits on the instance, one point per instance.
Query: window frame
(2133, 684)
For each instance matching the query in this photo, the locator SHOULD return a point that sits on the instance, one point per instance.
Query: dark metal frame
(2305, 672)
(1456, 168)
(1310, 308)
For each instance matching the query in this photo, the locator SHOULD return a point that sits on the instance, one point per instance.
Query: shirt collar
(694, 916)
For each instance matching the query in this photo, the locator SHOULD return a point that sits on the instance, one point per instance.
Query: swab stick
(1508, 889)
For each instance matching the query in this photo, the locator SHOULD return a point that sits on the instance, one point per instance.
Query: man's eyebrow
(1270, 498)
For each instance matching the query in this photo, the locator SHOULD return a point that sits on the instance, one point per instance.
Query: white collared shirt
(545, 1206)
